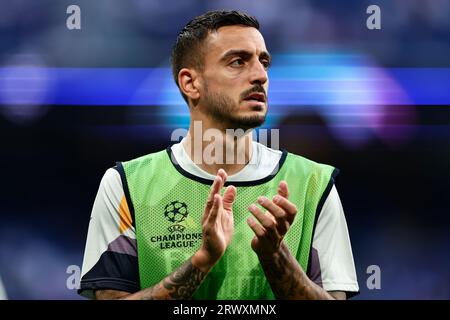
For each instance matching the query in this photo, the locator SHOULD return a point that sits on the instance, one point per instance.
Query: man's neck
(212, 148)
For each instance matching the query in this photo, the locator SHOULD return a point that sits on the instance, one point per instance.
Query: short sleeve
(332, 266)
(110, 256)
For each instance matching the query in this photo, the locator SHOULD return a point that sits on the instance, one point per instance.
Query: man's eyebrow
(266, 55)
(245, 53)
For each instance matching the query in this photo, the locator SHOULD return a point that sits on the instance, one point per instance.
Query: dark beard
(220, 107)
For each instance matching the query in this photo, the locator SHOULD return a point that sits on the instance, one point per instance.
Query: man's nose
(258, 73)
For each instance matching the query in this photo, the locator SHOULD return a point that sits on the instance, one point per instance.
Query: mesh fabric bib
(168, 205)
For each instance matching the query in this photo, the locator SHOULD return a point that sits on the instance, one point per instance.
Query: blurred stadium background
(374, 103)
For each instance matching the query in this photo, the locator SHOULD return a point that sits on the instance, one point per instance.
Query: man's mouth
(256, 96)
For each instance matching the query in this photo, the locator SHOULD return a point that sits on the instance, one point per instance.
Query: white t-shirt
(110, 259)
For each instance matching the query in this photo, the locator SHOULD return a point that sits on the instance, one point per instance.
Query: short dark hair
(187, 51)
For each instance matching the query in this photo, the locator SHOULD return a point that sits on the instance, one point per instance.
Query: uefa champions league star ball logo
(176, 212)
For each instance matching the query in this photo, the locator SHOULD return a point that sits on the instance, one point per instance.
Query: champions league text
(178, 240)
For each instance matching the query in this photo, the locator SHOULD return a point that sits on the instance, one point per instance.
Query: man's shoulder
(143, 158)
(111, 179)
(311, 166)
(269, 151)
(305, 159)
(291, 159)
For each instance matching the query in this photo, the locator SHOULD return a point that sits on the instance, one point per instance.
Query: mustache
(256, 88)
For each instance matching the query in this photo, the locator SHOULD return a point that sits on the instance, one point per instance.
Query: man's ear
(188, 80)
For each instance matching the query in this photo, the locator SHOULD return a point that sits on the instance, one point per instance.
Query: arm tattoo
(288, 280)
(180, 284)
(183, 282)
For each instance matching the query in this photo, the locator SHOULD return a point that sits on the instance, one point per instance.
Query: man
(161, 228)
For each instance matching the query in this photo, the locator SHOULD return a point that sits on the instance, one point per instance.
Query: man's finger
(223, 174)
(283, 189)
(256, 227)
(273, 208)
(218, 183)
(279, 214)
(288, 206)
(266, 220)
(284, 203)
(215, 188)
(217, 206)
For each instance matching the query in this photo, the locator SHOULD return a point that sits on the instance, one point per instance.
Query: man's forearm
(288, 280)
(179, 285)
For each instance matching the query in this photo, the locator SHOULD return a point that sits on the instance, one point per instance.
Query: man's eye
(266, 64)
(237, 63)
